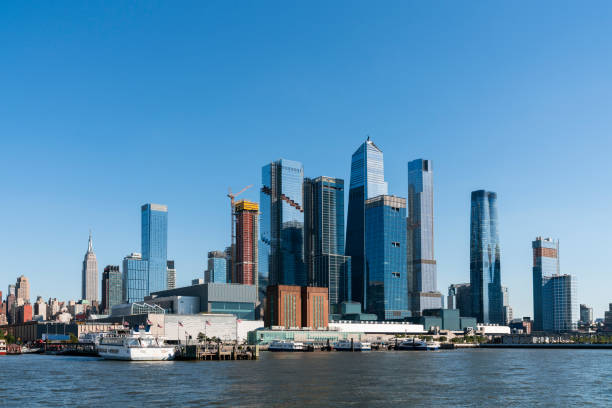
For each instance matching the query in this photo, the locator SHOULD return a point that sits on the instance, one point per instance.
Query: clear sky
(105, 106)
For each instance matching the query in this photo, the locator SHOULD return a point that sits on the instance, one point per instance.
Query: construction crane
(233, 220)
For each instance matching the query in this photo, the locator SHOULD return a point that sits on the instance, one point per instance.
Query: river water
(386, 379)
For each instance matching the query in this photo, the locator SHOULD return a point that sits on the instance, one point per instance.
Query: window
(395, 274)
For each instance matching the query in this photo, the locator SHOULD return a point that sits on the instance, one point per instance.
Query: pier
(217, 352)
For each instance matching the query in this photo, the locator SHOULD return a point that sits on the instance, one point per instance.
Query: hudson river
(386, 379)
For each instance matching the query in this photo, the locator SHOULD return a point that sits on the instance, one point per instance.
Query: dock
(217, 352)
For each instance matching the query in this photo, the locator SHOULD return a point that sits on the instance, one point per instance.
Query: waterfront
(459, 377)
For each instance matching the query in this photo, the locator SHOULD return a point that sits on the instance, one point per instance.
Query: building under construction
(247, 232)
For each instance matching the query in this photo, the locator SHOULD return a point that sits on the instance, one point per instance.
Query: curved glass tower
(282, 224)
(485, 267)
(367, 181)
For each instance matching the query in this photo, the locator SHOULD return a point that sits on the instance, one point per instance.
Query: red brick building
(283, 306)
(315, 307)
(247, 232)
(295, 306)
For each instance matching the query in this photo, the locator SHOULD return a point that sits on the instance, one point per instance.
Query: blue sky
(106, 106)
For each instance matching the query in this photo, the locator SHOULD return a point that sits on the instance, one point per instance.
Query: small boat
(135, 346)
(347, 345)
(2, 347)
(284, 345)
(418, 344)
(28, 350)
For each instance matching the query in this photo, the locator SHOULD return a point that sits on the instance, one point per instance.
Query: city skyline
(499, 123)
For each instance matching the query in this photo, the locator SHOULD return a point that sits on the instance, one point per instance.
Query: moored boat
(418, 344)
(2, 347)
(284, 345)
(135, 346)
(347, 345)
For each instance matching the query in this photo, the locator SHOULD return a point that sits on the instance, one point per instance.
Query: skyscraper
(135, 278)
(22, 289)
(89, 275)
(217, 271)
(555, 306)
(485, 264)
(460, 297)
(154, 231)
(326, 264)
(282, 224)
(545, 265)
(422, 274)
(171, 272)
(247, 234)
(112, 288)
(385, 243)
(367, 181)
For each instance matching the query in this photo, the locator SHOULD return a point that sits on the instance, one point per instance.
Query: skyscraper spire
(90, 246)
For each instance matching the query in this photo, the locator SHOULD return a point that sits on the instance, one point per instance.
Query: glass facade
(367, 181)
(333, 272)
(385, 242)
(555, 306)
(154, 235)
(112, 287)
(282, 224)
(545, 265)
(324, 237)
(135, 279)
(241, 310)
(485, 264)
(217, 268)
(421, 265)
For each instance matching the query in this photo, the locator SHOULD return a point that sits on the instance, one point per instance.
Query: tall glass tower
(422, 274)
(367, 181)
(555, 306)
(326, 264)
(154, 230)
(282, 224)
(485, 264)
(545, 265)
(385, 243)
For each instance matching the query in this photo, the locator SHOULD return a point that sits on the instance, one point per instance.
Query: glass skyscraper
(217, 268)
(147, 272)
(555, 306)
(422, 274)
(367, 181)
(135, 278)
(282, 225)
(485, 264)
(326, 264)
(112, 288)
(155, 244)
(385, 243)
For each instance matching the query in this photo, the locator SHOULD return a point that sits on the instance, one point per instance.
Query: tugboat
(135, 346)
(284, 345)
(417, 344)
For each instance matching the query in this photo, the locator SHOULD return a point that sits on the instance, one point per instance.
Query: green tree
(73, 338)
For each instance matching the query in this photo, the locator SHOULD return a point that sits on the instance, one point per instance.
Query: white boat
(284, 345)
(345, 345)
(418, 344)
(2, 348)
(135, 346)
(27, 350)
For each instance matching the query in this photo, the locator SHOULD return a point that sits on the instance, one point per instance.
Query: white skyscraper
(90, 275)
